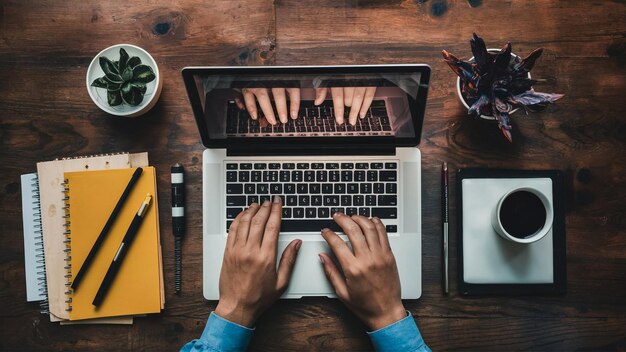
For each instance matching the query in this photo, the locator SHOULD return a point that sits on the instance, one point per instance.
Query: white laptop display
(318, 167)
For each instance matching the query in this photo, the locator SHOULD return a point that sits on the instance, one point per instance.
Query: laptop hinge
(282, 151)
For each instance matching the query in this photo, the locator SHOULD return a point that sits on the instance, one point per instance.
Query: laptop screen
(335, 105)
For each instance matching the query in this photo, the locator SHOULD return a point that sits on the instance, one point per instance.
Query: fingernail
(325, 229)
(362, 115)
(375, 220)
(276, 199)
(283, 118)
(266, 203)
(294, 115)
(321, 259)
(336, 214)
(254, 115)
(298, 245)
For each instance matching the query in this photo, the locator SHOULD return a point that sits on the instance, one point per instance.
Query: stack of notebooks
(65, 205)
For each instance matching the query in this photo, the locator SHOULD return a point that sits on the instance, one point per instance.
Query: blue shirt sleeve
(402, 335)
(220, 335)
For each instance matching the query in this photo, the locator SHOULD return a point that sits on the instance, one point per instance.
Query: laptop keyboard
(313, 120)
(313, 191)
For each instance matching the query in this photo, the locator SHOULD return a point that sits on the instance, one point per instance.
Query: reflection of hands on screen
(358, 99)
(262, 95)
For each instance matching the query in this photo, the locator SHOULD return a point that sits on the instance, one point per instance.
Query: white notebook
(489, 259)
(34, 265)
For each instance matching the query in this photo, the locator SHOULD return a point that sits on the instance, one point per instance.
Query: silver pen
(444, 216)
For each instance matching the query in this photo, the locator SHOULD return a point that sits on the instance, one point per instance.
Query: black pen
(96, 246)
(122, 250)
(444, 217)
(178, 220)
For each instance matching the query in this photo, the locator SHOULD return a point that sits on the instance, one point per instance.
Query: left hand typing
(249, 281)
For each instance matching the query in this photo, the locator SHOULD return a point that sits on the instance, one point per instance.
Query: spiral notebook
(90, 196)
(34, 261)
(50, 175)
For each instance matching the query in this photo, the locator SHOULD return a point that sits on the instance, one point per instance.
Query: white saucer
(487, 257)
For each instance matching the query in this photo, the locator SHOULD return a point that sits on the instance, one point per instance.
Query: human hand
(251, 95)
(358, 99)
(249, 281)
(369, 285)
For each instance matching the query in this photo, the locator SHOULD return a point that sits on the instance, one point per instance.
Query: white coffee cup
(540, 233)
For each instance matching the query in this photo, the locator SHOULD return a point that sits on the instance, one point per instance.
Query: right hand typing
(369, 285)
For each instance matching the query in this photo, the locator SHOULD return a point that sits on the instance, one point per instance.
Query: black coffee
(522, 214)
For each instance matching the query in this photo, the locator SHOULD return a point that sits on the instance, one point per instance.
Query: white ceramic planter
(99, 95)
(458, 89)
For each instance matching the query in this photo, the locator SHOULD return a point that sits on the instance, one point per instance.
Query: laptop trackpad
(308, 278)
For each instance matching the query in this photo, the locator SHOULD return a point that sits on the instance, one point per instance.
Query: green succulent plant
(125, 80)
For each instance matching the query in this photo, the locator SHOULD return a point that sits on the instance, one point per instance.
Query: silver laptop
(318, 167)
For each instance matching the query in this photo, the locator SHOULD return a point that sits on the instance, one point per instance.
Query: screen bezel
(274, 143)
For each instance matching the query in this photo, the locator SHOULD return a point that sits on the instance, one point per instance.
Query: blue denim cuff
(221, 335)
(402, 335)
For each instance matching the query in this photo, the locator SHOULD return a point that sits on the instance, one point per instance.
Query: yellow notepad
(91, 196)
(51, 177)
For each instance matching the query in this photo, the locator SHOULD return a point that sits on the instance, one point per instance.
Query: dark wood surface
(45, 112)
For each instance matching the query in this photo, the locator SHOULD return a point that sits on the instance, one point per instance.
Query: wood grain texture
(46, 46)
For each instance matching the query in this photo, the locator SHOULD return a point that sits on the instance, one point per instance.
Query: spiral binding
(41, 261)
(90, 156)
(67, 250)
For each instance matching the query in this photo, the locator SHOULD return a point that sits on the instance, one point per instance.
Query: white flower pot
(99, 95)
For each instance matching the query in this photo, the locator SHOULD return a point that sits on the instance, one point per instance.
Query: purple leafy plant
(494, 84)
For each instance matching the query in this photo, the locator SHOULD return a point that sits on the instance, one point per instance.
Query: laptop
(317, 166)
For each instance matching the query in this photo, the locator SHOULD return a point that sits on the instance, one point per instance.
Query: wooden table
(45, 112)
